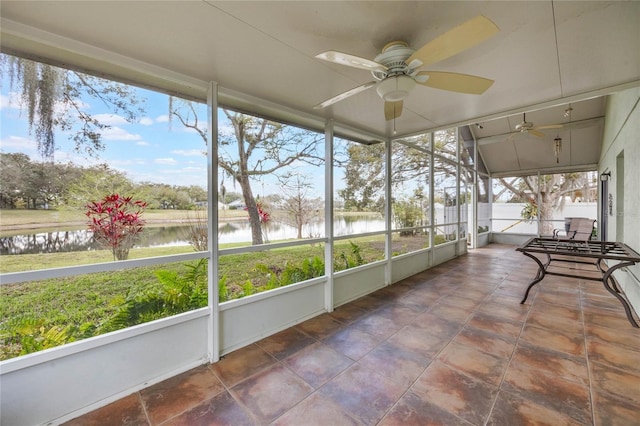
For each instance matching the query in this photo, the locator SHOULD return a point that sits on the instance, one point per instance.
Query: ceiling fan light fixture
(396, 88)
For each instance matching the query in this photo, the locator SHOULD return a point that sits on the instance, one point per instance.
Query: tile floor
(450, 346)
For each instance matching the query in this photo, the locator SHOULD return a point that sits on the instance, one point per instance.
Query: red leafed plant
(115, 222)
(264, 215)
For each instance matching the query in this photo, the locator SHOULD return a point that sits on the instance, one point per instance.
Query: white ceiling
(546, 55)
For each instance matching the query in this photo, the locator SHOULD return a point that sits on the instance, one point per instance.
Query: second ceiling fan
(398, 68)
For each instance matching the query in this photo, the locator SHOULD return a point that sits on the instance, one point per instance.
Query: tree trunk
(252, 209)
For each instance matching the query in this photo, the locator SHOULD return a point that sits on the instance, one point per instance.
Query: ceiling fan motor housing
(393, 57)
(395, 83)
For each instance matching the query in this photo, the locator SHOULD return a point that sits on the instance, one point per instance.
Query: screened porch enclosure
(294, 216)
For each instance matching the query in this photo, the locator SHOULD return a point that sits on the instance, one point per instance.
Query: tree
(53, 99)
(115, 222)
(13, 169)
(95, 181)
(364, 178)
(299, 208)
(255, 147)
(552, 188)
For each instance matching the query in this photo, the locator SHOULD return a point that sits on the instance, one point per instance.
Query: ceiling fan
(528, 127)
(397, 69)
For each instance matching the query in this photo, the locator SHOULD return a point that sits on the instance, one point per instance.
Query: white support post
(213, 329)
(328, 215)
(388, 213)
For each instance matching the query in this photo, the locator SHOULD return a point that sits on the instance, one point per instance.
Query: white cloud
(143, 143)
(12, 101)
(146, 121)
(189, 152)
(165, 161)
(110, 119)
(129, 162)
(162, 119)
(18, 143)
(119, 134)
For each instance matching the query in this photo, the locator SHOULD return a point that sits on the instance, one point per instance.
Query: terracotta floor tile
(240, 364)
(348, 313)
(608, 318)
(607, 301)
(513, 410)
(414, 410)
(457, 393)
(270, 393)
(517, 288)
(561, 312)
(399, 314)
(377, 325)
(613, 411)
(419, 340)
(127, 411)
(451, 313)
(285, 343)
(478, 292)
(369, 303)
(558, 340)
(316, 410)
(437, 325)
(614, 355)
(571, 300)
(629, 340)
(364, 393)
(321, 326)
(618, 383)
(474, 362)
(507, 300)
(490, 343)
(419, 300)
(220, 410)
(352, 342)
(317, 363)
(396, 363)
(495, 324)
(553, 363)
(171, 397)
(515, 311)
(454, 299)
(548, 391)
(554, 323)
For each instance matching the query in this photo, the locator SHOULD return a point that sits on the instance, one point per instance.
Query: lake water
(70, 240)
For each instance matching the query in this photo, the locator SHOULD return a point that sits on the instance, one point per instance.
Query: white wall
(622, 135)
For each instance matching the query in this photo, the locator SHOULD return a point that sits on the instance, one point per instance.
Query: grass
(95, 298)
(88, 301)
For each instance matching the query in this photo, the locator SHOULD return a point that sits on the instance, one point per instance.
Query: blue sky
(150, 150)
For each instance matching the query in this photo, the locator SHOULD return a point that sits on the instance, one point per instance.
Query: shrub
(115, 222)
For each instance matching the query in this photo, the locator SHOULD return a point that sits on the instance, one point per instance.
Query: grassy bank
(85, 303)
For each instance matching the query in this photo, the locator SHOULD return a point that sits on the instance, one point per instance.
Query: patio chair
(576, 228)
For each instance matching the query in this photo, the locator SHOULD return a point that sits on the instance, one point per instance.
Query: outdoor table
(582, 252)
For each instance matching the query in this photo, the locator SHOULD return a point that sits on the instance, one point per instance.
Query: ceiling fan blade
(392, 110)
(351, 61)
(550, 126)
(345, 95)
(454, 82)
(534, 132)
(455, 41)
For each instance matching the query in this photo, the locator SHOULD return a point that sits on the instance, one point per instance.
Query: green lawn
(77, 301)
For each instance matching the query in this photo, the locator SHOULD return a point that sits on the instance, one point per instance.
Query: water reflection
(178, 235)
